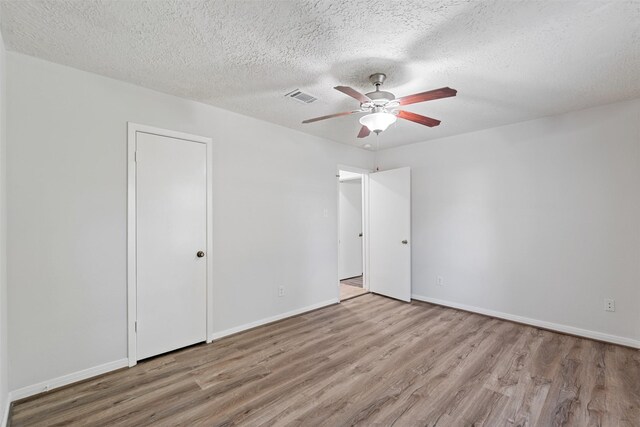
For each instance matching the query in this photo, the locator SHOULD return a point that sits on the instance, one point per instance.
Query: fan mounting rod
(378, 98)
(377, 79)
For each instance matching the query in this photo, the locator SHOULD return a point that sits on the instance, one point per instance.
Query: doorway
(351, 248)
(374, 233)
(169, 206)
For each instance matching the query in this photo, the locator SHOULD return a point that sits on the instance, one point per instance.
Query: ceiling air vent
(300, 96)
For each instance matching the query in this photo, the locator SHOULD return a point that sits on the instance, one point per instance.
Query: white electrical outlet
(280, 291)
(440, 281)
(609, 305)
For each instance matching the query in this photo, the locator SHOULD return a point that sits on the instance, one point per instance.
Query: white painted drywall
(349, 226)
(67, 214)
(4, 390)
(539, 219)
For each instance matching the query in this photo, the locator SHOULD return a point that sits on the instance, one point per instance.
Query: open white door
(390, 233)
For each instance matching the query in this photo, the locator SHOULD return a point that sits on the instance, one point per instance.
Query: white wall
(67, 214)
(539, 219)
(349, 226)
(3, 240)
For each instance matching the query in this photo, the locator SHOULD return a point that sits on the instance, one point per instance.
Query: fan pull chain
(376, 153)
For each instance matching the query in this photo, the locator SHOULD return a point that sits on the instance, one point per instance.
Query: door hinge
(135, 156)
(135, 326)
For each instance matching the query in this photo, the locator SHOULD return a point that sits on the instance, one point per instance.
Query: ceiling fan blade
(364, 132)
(353, 93)
(417, 118)
(443, 92)
(330, 116)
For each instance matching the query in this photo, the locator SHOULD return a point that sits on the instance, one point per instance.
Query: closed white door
(390, 233)
(171, 220)
(350, 224)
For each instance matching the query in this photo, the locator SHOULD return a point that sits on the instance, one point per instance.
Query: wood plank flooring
(354, 281)
(348, 291)
(351, 288)
(367, 361)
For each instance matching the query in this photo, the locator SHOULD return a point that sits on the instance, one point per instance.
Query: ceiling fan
(383, 106)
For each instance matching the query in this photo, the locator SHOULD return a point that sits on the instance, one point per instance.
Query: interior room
(418, 213)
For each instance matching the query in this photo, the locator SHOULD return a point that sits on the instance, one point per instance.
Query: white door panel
(350, 224)
(171, 228)
(389, 227)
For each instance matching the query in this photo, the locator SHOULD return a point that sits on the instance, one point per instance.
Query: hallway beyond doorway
(351, 288)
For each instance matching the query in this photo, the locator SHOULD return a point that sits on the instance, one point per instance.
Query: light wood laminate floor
(351, 288)
(354, 281)
(348, 292)
(368, 361)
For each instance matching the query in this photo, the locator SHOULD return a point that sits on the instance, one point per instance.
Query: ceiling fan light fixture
(378, 122)
(382, 107)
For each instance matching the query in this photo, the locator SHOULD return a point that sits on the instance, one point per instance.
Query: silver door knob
(404, 242)
(200, 254)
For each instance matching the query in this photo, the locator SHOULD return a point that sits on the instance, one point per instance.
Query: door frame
(132, 130)
(365, 223)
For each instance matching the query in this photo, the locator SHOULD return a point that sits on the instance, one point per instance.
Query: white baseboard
(614, 339)
(5, 414)
(122, 363)
(231, 331)
(66, 379)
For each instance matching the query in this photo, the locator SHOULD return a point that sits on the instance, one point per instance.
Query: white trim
(366, 265)
(66, 379)
(5, 415)
(123, 363)
(585, 333)
(131, 244)
(262, 322)
(353, 169)
(209, 237)
(132, 130)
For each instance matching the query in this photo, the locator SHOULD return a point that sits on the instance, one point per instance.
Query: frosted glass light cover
(378, 122)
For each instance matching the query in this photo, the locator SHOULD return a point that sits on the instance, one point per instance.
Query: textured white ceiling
(509, 60)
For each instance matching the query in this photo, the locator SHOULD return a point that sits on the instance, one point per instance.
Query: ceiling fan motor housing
(380, 97)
